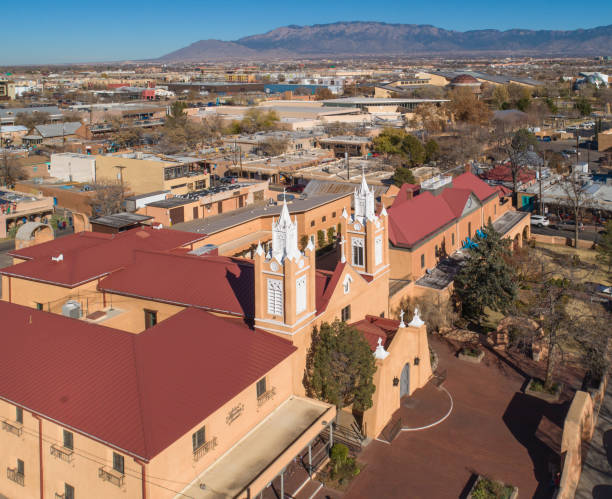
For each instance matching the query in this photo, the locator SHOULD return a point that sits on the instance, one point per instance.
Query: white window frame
(378, 250)
(300, 294)
(275, 297)
(357, 242)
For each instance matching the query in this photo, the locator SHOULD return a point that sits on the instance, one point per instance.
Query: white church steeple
(285, 236)
(364, 201)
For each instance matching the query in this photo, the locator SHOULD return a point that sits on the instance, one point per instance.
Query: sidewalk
(596, 479)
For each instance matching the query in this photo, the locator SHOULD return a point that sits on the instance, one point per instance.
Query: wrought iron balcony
(264, 397)
(15, 476)
(12, 427)
(205, 448)
(61, 452)
(111, 475)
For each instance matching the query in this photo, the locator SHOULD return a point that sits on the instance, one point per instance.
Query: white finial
(259, 251)
(342, 243)
(416, 320)
(344, 213)
(380, 352)
(59, 258)
(310, 246)
(383, 212)
(401, 314)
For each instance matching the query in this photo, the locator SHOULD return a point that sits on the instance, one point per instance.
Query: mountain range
(377, 39)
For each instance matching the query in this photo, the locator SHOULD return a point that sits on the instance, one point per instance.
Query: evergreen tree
(486, 280)
(604, 247)
(340, 367)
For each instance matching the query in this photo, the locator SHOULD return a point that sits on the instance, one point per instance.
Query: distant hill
(375, 38)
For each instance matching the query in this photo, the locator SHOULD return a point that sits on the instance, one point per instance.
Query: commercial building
(71, 167)
(7, 90)
(44, 134)
(17, 208)
(144, 173)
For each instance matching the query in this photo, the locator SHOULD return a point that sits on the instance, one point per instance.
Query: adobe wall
(562, 241)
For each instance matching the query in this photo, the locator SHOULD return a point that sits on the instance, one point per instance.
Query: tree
(321, 238)
(604, 247)
(517, 148)
(576, 196)
(323, 94)
(331, 235)
(403, 176)
(432, 150)
(394, 142)
(583, 106)
(340, 367)
(258, 120)
(500, 95)
(486, 279)
(107, 197)
(274, 146)
(30, 120)
(10, 170)
(413, 150)
(466, 107)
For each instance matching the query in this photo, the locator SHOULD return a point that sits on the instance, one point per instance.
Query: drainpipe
(143, 477)
(40, 455)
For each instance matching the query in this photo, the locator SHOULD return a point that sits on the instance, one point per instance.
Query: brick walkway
(492, 431)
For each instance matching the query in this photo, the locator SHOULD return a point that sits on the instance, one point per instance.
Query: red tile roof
(87, 256)
(211, 282)
(503, 173)
(139, 393)
(326, 283)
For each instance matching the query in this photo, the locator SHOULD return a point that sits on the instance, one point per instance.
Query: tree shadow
(607, 443)
(532, 421)
(602, 491)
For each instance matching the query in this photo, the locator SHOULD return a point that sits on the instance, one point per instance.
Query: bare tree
(274, 146)
(10, 170)
(576, 197)
(107, 198)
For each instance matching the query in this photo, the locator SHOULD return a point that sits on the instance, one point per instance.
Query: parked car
(296, 188)
(539, 221)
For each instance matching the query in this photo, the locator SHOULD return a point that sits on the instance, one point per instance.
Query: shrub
(330, 235)
(488, 489)
(321, 238)
(303, 242)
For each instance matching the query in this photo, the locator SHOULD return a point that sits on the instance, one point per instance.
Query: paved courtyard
(493, 429)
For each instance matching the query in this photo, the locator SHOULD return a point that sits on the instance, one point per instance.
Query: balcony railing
(264, 397)
(61, 453)
(111, 475)
(14, 428)
(15, 476)
(205, 448)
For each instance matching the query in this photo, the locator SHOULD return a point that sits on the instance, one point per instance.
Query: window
(423, 260)
(198, 438)
(300, 294)
(470, 229)
(275, 297)
(68, 440)
(357, 244)
(312, 223)
(324, 219)
(333, 214)
(453, 239)
(489, 220)
(150, 318)
(20, 467)
(378, 250)
(494, 209)
(346, 313)
(19, 415)
(68, 491)
(261, 387)
(118, 463)
(436, 250)
(39, 306)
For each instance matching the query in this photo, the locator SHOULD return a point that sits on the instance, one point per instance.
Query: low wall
(562, 241)
(578, 427)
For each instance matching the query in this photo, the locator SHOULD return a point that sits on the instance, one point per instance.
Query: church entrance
(405, 381)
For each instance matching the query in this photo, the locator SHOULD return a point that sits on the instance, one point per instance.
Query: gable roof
(57, 129)
(139, 393)
(373, 327)
(87, 256)
(326, 283)
(211, 282)
(412, 220)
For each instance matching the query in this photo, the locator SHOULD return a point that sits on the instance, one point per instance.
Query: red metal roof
(414, 219)
(210, 282)
(503, 173)
(326, 283)
(139, 393)
(87, 257)
(373, 327)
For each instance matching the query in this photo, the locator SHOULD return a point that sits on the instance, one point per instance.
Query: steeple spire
(364, 201)
(284, 236)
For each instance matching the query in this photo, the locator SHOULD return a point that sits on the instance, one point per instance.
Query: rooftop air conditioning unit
(72, 309)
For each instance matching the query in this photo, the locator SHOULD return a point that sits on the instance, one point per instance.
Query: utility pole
(540, 181)
(121, 168)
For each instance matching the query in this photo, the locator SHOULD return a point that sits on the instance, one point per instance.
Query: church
(145, 354)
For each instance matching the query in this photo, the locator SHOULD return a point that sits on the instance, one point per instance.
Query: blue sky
(44, 31)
